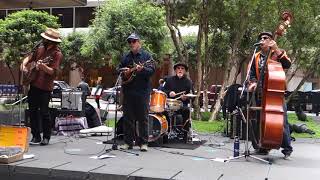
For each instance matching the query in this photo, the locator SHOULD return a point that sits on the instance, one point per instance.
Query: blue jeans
(286, 140)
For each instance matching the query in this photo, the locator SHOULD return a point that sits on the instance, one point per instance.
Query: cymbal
(191, 95)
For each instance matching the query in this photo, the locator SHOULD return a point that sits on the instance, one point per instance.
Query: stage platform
(71, 158)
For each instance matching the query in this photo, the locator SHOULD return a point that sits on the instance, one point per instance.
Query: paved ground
(70, 158)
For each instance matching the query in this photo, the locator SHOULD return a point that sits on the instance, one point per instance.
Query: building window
(13, 11)
(2, 14)
(84, 15)
(65, 16)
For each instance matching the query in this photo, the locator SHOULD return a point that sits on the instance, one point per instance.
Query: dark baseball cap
(133, 36)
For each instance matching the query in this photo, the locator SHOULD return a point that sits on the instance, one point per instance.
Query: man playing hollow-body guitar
(41, 85)
(137, 67)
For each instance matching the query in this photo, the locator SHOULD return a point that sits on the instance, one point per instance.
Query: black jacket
(177, 85)
(141, 84)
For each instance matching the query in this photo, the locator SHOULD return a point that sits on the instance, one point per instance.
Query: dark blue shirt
(140, 84)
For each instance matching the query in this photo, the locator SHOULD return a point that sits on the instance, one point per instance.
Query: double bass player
(266, 41)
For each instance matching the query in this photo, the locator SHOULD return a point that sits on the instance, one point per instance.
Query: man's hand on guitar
(139, 67)
(40, 65)
(252, 86)
(126, 72)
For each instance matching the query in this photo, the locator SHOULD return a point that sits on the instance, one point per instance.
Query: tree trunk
(311, 70)
(298, 87)
(12, 75)
(170, 19)
(228, 77)
(202, 21)
(205, 63)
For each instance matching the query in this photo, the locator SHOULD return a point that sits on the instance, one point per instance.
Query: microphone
(257, 44)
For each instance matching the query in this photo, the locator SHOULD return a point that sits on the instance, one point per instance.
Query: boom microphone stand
(246, 153)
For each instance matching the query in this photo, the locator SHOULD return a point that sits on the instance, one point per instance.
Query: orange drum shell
(164, 125)
(158, 101)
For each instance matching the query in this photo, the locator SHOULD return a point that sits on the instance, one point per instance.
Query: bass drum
(158, 126)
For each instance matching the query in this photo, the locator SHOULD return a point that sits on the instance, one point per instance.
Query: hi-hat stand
(247, 153)
(191, 132)
(115, 144)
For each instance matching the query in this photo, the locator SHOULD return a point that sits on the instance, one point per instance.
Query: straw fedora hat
(52, 35)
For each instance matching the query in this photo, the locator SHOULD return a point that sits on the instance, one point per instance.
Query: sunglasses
(132, 41)
(265, 37)
(180, 68)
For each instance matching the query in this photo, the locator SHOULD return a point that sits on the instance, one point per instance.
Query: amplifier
(71, 100)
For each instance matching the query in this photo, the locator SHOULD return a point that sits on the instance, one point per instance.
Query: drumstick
(182, 92)
(177, 98)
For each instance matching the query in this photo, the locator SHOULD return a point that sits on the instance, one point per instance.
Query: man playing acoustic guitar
(137, 67)
(41, 82)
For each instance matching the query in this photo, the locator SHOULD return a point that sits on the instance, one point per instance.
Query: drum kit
(163, 119)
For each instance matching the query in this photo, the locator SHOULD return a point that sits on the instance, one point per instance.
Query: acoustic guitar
(30, 73)
(129, 75)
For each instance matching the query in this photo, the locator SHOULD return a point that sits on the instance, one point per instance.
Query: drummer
(175, 85)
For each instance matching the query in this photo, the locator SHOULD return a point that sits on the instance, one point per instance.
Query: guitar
(29, 74)
(129, 75)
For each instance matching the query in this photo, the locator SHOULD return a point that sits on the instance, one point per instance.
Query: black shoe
(44, 142)
(35, 141)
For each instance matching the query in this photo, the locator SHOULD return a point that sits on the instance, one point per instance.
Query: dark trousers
(179, 120)
(135, 109)
(185, 113)
(38, 101)
(98, 102)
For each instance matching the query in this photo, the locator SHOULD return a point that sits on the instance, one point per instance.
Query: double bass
(272, 113)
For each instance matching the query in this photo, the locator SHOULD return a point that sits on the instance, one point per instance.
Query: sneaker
(144, 148)
(286, 154)
(44, 142)
(126, 147)
(35, 141)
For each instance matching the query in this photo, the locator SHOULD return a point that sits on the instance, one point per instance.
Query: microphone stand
(114, 143)
(246, 153)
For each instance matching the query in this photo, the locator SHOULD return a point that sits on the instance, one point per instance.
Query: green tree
(70, 47)
(116, 20)
(20, 31)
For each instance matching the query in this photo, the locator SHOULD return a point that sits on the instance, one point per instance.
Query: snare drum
(173, 104)
(158, 126)
(158, 101)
